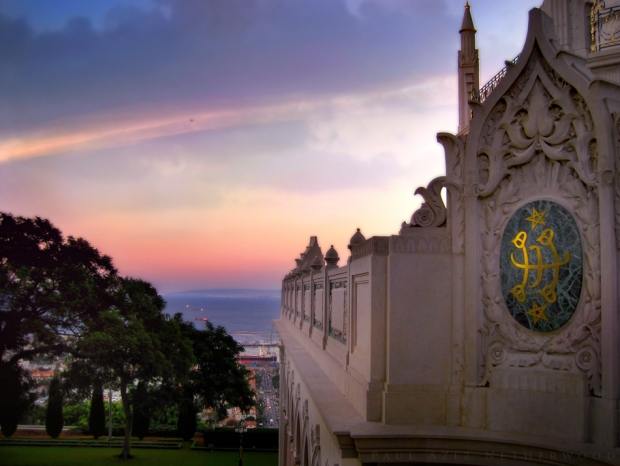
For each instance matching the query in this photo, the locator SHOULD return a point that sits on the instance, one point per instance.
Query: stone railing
(377, 245)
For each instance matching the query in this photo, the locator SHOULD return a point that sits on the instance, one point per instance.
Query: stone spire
(469, 74)
(468, 22)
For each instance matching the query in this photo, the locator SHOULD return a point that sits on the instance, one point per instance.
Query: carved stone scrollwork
(587, 360)
(495, 356)
(432, 213)
(539, 144)
(557, 124)
(454, 153)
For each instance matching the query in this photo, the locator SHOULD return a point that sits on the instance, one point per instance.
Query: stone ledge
(333, 406)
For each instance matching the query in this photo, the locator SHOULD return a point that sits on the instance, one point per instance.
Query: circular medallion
(541, 266)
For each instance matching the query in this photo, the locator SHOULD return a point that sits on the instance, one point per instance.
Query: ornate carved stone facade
(492, 317)
(539, 143)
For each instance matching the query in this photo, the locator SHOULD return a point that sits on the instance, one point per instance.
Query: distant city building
(486, 330)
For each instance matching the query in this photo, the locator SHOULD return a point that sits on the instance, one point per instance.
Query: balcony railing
(481, 94)
(604, 26)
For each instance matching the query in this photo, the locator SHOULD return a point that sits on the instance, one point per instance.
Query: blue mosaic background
(566, 239)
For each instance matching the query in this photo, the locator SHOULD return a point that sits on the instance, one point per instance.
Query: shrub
(75, 414)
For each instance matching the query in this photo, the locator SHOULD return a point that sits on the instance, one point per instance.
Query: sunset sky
(200, 143)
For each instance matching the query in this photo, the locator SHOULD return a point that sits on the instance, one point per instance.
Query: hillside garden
(61, 298)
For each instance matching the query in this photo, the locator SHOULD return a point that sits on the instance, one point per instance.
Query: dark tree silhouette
(217, 380)
(49, 286)
(187, 422)
(96, 416)
(14, 397)
(135, 340)
(53, 417)
(141, 412)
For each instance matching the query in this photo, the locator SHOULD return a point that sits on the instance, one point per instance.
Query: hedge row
(92, 443)
(266, 439)
(165, 432)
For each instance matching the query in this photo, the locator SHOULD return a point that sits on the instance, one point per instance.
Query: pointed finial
(468, 22)
(332, 256)
(357, 238)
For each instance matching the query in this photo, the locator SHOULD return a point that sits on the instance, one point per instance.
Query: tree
(141, 414)
(48, 287)
(217, 380)
(135, 340)
(96, 416)
(53, 417)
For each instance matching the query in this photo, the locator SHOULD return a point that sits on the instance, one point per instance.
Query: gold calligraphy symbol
(536, 218)
(537, 312)
(546, 239)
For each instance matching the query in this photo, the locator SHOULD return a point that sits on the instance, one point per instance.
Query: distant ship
(202, 319)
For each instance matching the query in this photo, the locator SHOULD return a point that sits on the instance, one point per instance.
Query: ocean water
(235, 310)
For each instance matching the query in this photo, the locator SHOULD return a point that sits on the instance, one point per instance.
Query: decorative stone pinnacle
(357, 238)
(316, 264)
(332, 256)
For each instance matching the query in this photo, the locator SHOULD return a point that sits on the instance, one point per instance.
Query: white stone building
(485, 331)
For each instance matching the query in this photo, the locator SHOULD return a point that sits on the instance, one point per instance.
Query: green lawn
(84, 456)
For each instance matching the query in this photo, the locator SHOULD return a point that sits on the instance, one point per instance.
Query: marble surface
(541, 265)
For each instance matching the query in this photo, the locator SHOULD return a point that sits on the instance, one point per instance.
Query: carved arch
(305, 454)
(538, 142)
(315, 437)
(297, 426)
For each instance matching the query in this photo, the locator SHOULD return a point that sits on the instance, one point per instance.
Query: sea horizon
(239, 310)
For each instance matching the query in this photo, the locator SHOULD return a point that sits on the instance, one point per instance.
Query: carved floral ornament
(538, 144)
(432, 212)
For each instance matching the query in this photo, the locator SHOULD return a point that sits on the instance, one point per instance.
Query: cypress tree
(141, 415)
(10, 388)
(187, 423)
(96, 416)
(9, 426)
(53, 417)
